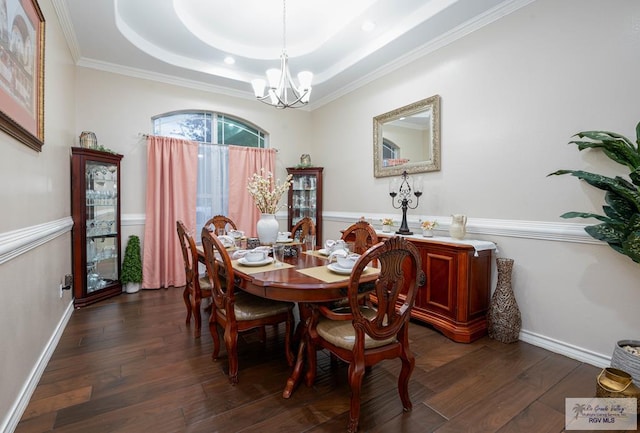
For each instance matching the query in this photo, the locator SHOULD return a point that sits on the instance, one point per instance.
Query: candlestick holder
(402, 190)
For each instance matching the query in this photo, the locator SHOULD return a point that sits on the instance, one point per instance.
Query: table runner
(323, 273)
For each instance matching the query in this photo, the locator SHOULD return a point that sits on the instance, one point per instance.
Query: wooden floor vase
(503, 319)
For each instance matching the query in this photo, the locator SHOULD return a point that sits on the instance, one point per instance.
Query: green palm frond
(620, 225)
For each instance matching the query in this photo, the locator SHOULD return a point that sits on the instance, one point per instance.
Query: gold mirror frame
(432, 105)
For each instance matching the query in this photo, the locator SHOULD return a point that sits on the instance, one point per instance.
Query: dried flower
(429, 225)
(387, 221)
(266, 192)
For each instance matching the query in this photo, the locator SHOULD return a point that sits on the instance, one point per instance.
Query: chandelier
(282, 91)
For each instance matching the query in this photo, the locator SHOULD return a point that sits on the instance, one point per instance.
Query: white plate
(243, 261)
(340, 270)
(323, 251)
(284, 241)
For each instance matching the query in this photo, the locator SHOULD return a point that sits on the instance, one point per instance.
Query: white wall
(35, 200)
(513, 93)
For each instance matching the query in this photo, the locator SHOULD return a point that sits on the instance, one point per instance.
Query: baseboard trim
(568, 350)
(17, 410)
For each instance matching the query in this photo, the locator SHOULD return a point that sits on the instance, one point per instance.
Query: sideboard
(456, 296)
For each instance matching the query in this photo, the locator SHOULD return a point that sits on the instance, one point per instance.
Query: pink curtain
(243, 163)
(172, 176)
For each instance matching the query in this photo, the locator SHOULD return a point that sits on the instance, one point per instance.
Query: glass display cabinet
(305, 197)
(95, 209)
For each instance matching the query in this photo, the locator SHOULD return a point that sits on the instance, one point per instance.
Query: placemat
(323, 273)
(257, 269)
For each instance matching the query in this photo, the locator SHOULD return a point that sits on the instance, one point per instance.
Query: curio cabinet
(305, 197)
(95, 208)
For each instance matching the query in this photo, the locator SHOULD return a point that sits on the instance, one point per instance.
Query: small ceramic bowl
(255, 256)
(283, 236)
(347, 262)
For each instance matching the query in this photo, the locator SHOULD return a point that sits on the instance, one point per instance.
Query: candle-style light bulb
(418, 186)
(393, 187)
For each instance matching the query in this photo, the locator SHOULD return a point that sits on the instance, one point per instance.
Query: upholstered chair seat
(341, 333)
(250, 307)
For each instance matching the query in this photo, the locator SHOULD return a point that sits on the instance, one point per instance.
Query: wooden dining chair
(221, 222)
(362, 335)
(362, 234)
(237, 311)
(196, 287)
(303, 228)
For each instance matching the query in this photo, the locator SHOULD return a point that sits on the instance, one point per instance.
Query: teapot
(458, 227)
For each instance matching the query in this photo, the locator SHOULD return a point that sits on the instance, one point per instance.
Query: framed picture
(22, 71)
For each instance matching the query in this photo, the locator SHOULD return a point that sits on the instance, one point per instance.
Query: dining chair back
(221, 222)
(303, 228)
(362, 335)
(196, 287)
(362, 234)
(237, 311)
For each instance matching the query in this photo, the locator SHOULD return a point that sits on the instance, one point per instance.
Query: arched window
(214, 132)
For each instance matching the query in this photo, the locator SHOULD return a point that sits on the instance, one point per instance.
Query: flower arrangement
(266, 191)
(387, 221)
(429, 225)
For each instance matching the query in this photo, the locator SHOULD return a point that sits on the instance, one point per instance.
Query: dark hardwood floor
(131, 365)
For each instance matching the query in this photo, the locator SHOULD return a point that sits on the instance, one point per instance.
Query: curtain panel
(172, 169)
(243, 163)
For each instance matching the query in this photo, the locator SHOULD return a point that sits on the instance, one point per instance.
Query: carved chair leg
(231, 342)
(287, 340)
(356, 373)
(196, 316)
(187, 303)
(213, 328)
(408, 363)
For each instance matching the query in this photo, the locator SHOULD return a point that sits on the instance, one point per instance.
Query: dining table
(305, 278)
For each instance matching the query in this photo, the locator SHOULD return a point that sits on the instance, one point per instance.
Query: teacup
(227, 241)
(283, 236)
(236, 234)
(255, 256)
(339, 245)
(348, 261)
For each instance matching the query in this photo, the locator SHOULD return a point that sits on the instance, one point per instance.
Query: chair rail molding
(20, 241)
(540, 230)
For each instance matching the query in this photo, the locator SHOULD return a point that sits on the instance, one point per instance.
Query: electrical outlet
(60, 290)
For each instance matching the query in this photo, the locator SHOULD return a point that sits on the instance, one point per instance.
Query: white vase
(268, 228)
(386, 228)
(427, 233)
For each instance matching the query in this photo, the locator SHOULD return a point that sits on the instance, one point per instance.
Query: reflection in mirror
(407, 139)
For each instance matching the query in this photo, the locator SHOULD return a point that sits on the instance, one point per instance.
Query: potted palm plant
(620, 225)
(131, 274)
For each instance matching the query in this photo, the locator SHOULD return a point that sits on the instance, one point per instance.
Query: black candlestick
(404, 200)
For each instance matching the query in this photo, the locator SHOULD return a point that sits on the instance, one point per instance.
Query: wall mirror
(407, 139)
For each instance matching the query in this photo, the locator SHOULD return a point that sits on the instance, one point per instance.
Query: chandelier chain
(284, 25)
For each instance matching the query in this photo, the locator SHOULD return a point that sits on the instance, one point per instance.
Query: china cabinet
(96, 238)
(305, 197)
